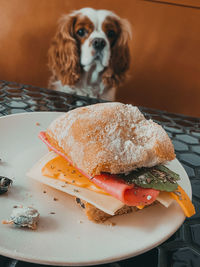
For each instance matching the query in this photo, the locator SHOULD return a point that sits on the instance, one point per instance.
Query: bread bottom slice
(98, 216)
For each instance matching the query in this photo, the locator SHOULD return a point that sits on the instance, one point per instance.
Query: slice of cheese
(59, 168)
(165, 199)
(48, 172)
(104, 202)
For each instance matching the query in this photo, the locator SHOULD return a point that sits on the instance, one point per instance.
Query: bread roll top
(110, 137)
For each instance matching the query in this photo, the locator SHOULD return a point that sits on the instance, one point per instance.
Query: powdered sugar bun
(110, 137)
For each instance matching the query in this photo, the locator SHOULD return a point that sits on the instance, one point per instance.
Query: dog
(89, 54)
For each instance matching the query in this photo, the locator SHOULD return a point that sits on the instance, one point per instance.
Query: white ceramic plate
(67, 237)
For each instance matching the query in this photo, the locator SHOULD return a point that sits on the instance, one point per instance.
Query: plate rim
(29, 113)
(91, 263)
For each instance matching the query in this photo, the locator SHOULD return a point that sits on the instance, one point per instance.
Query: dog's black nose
(98, 44)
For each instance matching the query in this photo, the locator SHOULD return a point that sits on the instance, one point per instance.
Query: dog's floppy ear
(120, 56)
(63, 54)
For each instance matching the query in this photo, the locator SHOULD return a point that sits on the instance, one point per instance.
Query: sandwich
(112, 160)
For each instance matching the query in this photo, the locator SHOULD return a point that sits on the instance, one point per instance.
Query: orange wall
(165, 69)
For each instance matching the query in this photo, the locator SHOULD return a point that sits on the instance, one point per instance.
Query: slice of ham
(43, 137)
(130, 195)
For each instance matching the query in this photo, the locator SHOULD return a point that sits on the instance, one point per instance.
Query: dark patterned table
(180, 250)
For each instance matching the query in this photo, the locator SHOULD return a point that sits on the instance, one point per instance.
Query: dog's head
(88, 36)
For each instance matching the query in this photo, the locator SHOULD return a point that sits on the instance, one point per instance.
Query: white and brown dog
(89, 54)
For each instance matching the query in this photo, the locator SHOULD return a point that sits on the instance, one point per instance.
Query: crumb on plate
(23, 217)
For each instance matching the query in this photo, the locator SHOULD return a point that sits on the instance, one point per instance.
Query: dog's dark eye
(111, 34)
(81, 32)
